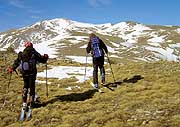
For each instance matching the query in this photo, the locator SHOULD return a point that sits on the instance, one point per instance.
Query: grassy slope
(151, 101)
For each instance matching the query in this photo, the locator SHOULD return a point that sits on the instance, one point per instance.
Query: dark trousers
(29, 87)
(98, 63)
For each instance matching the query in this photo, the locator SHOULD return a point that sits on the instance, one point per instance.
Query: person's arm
(15, 64)
(88, 49)
(17, 61)
(40, 58)
(104, 46)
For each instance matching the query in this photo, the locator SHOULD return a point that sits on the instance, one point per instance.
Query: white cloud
(18, 4)
(22, 5)
(97, 3)
(35, 17)
(35, 11)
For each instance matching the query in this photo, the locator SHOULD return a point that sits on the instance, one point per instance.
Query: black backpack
(96, 50)
(28, 62)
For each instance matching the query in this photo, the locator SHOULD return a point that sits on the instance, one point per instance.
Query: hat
(28, 44)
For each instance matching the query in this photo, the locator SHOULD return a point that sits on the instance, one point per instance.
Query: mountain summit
(125, 40)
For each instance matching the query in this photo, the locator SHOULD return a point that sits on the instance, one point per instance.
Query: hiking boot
(29, 113)
(23, 111)
(36, 98)
(95, 86)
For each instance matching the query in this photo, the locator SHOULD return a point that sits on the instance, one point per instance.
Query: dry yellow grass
(147, 95)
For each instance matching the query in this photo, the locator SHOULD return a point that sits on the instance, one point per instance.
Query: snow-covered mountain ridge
(125, 40)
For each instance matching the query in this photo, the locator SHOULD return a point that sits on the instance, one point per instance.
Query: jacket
(101, 46)
(37, 57)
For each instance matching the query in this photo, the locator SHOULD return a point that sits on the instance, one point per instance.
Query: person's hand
(46, 56)
(10, 69)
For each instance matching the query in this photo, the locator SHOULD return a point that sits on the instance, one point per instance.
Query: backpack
(28, 62)
(96, 50)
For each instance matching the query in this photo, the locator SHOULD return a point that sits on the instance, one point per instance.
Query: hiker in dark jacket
(27, 61)
(97, 47)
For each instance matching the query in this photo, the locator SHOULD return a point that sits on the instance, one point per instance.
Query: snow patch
(112, 50)
(177, 45)
(77, 39)
(42, 48)
(47, 47)
(42, 82)
(127, 44)
(115, 44)
(84, 46)
(61, 72)
(2, 36)
(73, 87)
(178, 30)
(115, 56)
(157, 39)
(169, 41)
(154, 44)
(80, 59)
(166, 54)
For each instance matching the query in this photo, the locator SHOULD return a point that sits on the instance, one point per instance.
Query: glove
(10, 69)
(46, 56)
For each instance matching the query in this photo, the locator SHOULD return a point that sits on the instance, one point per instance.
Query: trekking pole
(8, 88)
(111, 68)
(9, 82)
(85, 68)
(46, 82)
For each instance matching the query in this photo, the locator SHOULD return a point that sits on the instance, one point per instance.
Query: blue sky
(20, 13)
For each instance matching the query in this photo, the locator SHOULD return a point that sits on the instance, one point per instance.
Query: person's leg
(32, 89)
(32, 96)
(102, 71)
(95, 73)
(24, 98)
(25, 89)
